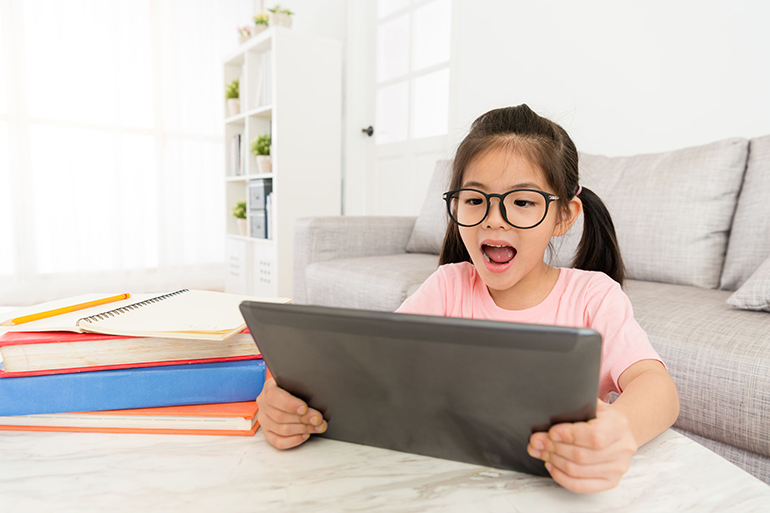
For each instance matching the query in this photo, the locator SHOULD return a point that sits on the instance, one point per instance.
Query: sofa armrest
(318, 239)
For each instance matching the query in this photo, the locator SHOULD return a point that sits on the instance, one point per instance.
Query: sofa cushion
(718, 357)
(428, 232)
(749, 242)
(672, 211)
(369, 283)
(332, 237)
(755, 293)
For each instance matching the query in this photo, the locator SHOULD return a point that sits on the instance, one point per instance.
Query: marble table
(129, 473)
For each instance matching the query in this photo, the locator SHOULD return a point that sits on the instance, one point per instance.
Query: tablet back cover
(459, 389)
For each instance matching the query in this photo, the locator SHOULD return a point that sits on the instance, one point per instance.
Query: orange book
(239, 419)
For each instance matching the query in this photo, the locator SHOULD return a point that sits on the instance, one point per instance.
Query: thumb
(601, 407)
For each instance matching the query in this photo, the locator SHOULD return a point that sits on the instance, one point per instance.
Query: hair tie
(580, 189)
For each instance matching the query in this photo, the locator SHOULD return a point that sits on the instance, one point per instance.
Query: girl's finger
(611, 470)
(269, 424)
(285, 442)
(312, 417)
(595, 434)
(579, 485)
(281, 399)
(586, 456)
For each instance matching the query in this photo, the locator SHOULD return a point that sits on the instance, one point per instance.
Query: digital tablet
(460, 389)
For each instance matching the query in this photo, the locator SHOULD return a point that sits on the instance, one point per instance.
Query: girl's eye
(523, 203)
(474, 202)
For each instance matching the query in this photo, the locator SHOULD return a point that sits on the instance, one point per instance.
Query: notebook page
(187, 314)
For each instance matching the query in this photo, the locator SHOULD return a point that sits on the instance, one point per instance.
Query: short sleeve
(624, 342)
(429, 299)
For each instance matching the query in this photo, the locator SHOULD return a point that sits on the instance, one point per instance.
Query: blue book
(144, 387)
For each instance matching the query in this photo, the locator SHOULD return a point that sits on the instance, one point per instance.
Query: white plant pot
(242, 226)
(264, 164)
(280, 20)
(243, 39)
(258, 28)
(233, 106)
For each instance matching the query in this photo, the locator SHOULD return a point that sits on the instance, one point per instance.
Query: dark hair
(547, 145)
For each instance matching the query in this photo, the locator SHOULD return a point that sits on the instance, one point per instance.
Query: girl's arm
(649, 400)
(592, 456)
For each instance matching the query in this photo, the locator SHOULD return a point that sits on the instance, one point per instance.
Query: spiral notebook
(192, 314)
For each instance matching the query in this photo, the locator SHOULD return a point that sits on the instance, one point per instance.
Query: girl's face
(510, 260)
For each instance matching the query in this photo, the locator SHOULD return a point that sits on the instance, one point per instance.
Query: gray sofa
(694, 230)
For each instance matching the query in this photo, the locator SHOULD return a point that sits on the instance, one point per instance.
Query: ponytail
(598, 249)
(453, 250)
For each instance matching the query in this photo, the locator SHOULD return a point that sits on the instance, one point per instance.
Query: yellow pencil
(63, 310)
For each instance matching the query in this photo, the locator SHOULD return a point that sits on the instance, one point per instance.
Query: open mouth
(498, 254)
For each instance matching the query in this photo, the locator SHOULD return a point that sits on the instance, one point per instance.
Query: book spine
(201, 383)
(240, 156)
(71, 370)
(231, 163)
(269, 215)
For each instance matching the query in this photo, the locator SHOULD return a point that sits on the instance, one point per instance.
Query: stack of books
(172, 363)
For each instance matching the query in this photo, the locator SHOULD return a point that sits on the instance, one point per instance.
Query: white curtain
(111, 145)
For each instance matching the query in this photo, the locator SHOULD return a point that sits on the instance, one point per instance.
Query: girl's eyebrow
(524, 185)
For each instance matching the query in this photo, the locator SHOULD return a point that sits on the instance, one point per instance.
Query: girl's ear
(568, 217)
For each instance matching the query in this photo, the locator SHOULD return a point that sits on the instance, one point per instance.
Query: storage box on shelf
(290, 88)
(259, 206)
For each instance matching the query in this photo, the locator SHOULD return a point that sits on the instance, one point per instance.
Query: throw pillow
(429, 228)
(755, 293)
(672, 211)
(750, 234)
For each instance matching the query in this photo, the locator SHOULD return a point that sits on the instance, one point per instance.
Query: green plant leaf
(232, 90)
(261, 145)
(239, 210)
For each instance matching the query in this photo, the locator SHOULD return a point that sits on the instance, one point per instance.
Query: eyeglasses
(521, 208)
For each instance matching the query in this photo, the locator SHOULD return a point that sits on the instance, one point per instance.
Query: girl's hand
(286, 420)
(587, 457)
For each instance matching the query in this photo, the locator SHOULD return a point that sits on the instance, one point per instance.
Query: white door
(398, 82)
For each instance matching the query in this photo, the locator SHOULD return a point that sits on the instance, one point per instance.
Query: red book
(38, 353)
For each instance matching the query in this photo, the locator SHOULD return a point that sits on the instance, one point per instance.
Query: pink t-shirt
(580, 299)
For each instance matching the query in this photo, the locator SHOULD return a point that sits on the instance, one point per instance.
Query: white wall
(321, 18)
(621, 77)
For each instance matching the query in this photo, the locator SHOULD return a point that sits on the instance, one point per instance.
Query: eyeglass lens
(523, 209)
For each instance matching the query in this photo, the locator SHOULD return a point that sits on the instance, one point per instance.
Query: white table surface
(129, 473)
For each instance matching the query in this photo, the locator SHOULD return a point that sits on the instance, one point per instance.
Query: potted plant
(232, 95)
(261, 20)
(239, 211)
(261, 148)
(280, 17)
(244, 33)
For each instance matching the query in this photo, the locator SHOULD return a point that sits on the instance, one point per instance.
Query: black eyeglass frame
(448, 199)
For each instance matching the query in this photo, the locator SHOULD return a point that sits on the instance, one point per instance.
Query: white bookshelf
(302, 110)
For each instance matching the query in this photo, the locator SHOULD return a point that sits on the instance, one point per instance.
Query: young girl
(514, 186)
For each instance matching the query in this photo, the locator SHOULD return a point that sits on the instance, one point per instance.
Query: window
(111, 158)
(7, 235)
(412, 69)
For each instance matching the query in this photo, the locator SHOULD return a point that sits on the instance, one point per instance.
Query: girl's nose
(495, 218)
